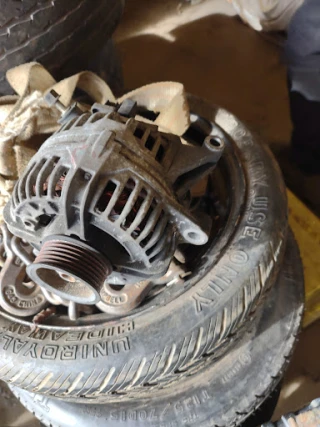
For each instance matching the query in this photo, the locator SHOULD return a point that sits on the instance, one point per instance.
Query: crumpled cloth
(267, 15)
(26, 120)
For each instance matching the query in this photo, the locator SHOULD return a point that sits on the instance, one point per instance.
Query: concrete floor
(213, 54)
(202, 44)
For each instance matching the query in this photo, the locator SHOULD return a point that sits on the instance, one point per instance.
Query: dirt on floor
(213, 54)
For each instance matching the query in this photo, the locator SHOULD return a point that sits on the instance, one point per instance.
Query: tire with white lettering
(183, 324)
(224, 393)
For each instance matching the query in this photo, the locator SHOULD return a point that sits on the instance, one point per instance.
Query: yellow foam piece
(306, 228)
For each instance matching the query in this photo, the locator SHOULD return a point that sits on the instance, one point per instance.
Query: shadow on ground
(219, 59)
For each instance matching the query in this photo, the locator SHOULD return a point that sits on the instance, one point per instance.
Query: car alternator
(106, 201)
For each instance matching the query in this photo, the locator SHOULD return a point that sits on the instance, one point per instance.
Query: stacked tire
(208, 353)
(64, 36)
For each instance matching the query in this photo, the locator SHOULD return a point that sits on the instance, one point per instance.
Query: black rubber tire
(182, 325)
(55, 33)
(223, 393)
(106, 64)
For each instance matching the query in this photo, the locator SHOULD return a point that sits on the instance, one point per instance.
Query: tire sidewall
(237, 384)
(168, 337)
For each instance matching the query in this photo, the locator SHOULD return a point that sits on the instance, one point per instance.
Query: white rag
(267, 15)
(26, 120)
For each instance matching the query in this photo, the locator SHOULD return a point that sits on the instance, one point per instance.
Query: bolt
(52, 99)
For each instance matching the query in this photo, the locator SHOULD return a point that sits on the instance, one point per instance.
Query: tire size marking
(244, 359)
(184, 410)
(149, 414)
(70, 336)
(63, 352)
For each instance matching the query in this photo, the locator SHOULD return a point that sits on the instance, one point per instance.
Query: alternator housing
(119, 185)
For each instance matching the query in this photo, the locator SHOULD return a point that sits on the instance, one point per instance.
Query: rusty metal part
(106, 201)
(43, 315)
(74, 309)
(121, 300)
(52, 98)
(55, 299)
(22, 250)
(18, 296)
(175, 274)
(306, 417)
(118, 184)
(116, 300)
(70, 269)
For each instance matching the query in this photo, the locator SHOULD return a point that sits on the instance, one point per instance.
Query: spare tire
(54, 33)
(224, 393)
(182, 325)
